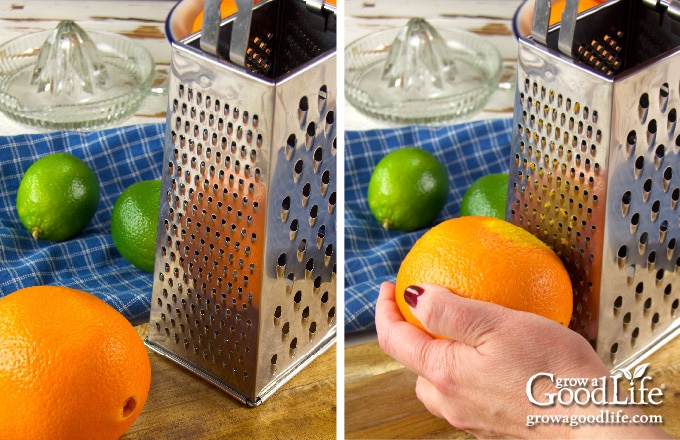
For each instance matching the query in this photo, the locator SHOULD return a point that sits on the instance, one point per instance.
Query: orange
(488, 259)
(558, 7)
(71, 367)
(227, 8)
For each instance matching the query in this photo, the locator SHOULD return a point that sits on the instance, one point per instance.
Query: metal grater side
(244, 294)
(206, 297)
(594, 170)
(300, 258)
(558, 172)
(642, 281)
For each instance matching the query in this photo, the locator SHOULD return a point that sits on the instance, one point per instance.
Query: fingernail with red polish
(411, 294)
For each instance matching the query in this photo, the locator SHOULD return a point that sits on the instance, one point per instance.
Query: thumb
(451, 316)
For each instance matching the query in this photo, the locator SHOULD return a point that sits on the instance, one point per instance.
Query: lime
(57, 197)
(486, 196)
(407, 189)
(134, 221)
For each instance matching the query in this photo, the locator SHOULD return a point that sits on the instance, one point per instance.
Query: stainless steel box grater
(595, 167)
(244, 291)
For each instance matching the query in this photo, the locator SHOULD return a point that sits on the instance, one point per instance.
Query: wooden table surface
(380, 401)
(181, 406)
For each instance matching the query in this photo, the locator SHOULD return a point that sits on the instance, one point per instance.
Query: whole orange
(71, 367)
(488, 259)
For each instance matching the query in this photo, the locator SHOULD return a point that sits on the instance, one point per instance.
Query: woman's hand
(477, 379)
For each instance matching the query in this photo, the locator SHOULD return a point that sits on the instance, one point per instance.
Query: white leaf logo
(625, 374)
(640, 371)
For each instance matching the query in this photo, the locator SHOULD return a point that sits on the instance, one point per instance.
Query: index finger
(406, 343)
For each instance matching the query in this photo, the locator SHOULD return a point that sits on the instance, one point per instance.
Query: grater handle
(670, 8)
(210, 33)
(565, 44)
(240, 33)
(541, 21)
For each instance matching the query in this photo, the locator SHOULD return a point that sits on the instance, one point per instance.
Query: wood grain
(182, 406)
(380, 401)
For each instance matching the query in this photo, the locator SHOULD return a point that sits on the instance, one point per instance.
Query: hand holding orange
(488, 259)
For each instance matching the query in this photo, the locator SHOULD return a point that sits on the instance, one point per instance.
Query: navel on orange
(488, 259)
(71, 367)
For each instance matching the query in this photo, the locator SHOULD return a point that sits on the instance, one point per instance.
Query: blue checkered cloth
(373, 254)
(89, 261)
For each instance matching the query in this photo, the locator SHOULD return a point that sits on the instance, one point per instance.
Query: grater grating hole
(306, 191)
(634, 335)
(643, 107)
(656, 207)
(659, 154)
(664, 93)
(313, 215)
(639, 166)
(625, 203)
(639, 288)
(672, 119)
(318, 158)
(634, 222)
(310, 134)
(331, 202)
(651, 131)
(285, 208)
(667, 176)
(626, 319)
(323, 95)
(631, 141)
(670, 248)
(304, 104)
(646, 189)
(297, 170)
(290, 146)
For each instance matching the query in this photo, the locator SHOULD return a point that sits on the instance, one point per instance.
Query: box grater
(244, 291)
(594, 167)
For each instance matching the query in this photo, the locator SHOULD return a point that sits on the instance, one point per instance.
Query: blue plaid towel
(372, 254)
(119, 157)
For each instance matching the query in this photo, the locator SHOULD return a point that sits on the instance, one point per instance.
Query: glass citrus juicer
(70, 79)
(419, 74)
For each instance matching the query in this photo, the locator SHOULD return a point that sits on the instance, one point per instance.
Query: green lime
(134, 221)
(486, 196)
(57, 197)
(408, 189)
